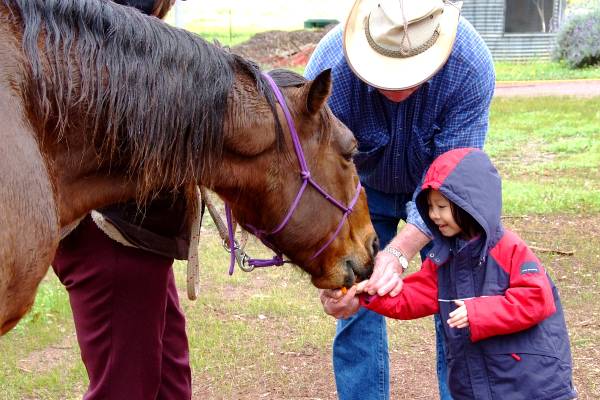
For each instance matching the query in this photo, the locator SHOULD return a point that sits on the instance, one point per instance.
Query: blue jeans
(360, 347)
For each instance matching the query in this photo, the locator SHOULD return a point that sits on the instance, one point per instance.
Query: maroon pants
(129, 325)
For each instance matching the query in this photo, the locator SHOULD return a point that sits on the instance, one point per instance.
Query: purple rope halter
(306, 180)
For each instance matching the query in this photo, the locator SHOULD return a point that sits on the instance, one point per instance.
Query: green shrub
(578, 40)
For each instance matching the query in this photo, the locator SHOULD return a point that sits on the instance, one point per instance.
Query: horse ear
(318, 92)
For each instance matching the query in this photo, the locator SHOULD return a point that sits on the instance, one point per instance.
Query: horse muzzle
(357, 271)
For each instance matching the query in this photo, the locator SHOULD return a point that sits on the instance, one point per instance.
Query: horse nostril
(356, 271)
(374, 246)
(350, 277)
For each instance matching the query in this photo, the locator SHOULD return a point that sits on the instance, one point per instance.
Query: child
(505, 335)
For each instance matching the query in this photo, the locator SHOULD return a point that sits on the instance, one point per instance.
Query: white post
(178, 14)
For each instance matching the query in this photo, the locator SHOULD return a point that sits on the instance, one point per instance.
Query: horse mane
(152, 92)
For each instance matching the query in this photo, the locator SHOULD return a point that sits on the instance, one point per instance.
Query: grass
(549, 160)
(264, 335)
(578, 279)
(227, 38)
(533, 70)
(245, 314)
(221, 27)
(39, 356)
(235, 21)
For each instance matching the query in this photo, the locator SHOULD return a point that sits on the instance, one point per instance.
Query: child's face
(440, 213)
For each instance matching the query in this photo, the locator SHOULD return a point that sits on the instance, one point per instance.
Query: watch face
(403, 262)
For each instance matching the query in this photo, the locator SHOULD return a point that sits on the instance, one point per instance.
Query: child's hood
(468, 178)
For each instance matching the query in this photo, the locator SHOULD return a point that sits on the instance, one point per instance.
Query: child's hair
(469, 227)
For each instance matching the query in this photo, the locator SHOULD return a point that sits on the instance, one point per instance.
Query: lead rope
(235, 248)
(193, 264)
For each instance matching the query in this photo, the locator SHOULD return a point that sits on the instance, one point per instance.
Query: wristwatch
(401, 258)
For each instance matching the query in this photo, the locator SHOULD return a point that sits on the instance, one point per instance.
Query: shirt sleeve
(320, 58)
(417, 299)
(527, 301)
(329, 54)
(413, 217)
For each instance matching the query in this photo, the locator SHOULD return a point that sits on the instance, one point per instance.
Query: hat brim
(396, 73)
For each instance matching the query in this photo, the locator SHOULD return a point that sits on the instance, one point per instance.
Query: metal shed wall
(487, 16)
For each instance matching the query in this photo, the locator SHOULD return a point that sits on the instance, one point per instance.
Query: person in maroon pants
(117, 268)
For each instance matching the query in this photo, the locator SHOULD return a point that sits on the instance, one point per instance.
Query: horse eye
(350, 155)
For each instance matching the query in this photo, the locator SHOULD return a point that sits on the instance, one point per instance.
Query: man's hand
(387, 272)
(459, 318)
(339, 305)
(386, 278)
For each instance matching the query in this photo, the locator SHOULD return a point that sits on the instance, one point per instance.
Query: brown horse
(101, 104)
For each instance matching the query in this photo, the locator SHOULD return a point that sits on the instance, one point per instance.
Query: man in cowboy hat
(412, 80)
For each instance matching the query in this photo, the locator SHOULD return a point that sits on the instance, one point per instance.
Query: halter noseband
(306, 180)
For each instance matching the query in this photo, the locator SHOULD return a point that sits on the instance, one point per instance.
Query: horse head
(302, 213)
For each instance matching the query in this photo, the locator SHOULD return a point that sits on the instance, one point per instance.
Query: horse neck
(251, 135)
(89, 181)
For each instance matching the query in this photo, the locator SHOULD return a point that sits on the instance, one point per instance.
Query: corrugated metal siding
(521, 46)
(487, 16)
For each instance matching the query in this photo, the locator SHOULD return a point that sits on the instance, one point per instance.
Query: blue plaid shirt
(398, 141)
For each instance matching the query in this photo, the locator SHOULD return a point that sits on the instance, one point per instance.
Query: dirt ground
(579, 88)
(281, 49)
(412, 360)
(308, 373)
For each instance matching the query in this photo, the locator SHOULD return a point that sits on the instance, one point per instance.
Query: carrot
(344, 290)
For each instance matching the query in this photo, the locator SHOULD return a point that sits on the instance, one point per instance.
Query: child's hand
(459, 318)
(360, 287)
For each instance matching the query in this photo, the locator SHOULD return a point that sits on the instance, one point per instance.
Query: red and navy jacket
(516, 346)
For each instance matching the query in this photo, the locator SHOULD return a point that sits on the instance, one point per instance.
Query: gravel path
(579, 88)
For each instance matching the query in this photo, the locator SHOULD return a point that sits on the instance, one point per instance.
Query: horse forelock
(154, 93)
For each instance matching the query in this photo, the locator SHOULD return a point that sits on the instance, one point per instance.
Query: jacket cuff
(475, 334)
(366, 300)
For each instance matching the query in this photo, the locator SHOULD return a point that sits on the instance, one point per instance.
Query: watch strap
(398, 254)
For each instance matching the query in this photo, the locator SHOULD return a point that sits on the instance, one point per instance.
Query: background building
(516, 29)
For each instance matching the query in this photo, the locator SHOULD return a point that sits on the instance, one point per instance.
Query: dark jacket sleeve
(526, 302)
(161, 227)
(417, 299)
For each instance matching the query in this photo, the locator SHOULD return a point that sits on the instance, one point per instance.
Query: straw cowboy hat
(399, 44)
